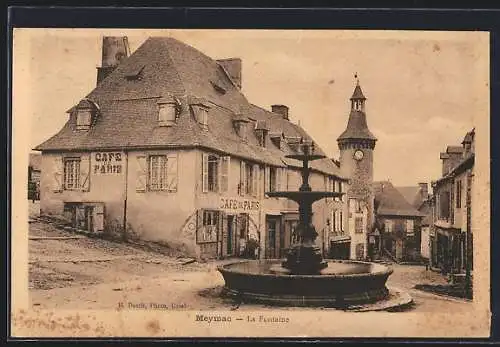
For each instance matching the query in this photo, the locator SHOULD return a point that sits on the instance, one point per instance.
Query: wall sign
(239, 205)
(107, 163)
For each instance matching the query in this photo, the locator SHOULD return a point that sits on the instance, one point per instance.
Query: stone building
(356, 145)
(167, 148)
(398, 222)
(419, 197)
(451, 244)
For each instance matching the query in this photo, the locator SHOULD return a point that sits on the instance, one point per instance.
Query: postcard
(250, 183)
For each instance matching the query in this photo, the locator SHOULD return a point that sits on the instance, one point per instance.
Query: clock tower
(356, 146)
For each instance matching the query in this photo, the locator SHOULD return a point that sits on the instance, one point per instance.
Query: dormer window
(276, 139)
(86, 111)
(203, 116)
(240, 124)
(83, 119)
(167, 111)
(261, 132)
(200, 110)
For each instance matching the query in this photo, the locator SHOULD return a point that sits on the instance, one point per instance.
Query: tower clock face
(358, 155)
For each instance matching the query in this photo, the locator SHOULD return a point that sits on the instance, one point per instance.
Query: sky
(424, 90)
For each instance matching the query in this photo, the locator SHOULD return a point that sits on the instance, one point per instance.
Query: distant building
(451, 245)
(34, 172)
(168, 147)
(398, 223)
(419, 197)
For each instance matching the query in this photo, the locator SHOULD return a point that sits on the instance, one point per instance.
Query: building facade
(34, 174)
(421, 200)
(167, 148)
(452, 238)
(399, 224)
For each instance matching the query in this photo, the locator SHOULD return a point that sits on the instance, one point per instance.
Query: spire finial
(357, 78)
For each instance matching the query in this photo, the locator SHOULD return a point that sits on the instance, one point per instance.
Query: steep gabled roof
(357, 127)
(390, 202)
(410, 193)
(358, 93)
(161, 67)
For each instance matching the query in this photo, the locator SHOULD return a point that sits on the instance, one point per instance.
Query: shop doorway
(230, 235)
(272, 226)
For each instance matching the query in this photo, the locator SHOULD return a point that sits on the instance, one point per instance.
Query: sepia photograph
(251, 183)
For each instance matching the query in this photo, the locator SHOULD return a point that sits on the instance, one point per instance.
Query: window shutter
(98, 218)
(284, 185)
(205, 172)
(255, 180)
(172, 172)
(58, 175)
(85, 173)
(142, 174)
(267, 179)
(278, 179)
(242, 178)
(224, 173)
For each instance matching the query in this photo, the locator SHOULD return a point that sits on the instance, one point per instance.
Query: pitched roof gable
(390, 202)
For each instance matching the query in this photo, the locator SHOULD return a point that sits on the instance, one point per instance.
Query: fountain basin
(341, 284)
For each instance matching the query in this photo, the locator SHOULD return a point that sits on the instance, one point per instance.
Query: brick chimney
(424, 190)
(114, 50)
(233, 68)
(280, 109)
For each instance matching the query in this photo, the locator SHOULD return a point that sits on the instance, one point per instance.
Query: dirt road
(88, 273)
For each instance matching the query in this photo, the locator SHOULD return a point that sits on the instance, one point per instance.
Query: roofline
(195, 146)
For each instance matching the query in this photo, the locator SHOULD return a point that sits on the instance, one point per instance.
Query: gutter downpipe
(124, 232)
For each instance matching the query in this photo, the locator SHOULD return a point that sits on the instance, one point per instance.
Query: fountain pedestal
(304, 260)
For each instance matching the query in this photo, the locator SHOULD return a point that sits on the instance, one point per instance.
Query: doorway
(273, 233)
(230, 235)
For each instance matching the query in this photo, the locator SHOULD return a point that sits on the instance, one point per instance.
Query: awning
(340, 239)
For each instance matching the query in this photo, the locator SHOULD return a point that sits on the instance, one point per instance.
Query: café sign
(107, 163)
(239, 205)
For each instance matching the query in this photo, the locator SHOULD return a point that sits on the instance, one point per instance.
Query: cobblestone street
(68, 272)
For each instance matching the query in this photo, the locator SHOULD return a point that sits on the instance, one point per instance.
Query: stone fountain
(304, 278)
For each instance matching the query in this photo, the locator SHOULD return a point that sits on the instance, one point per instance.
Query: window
(358, 225)
(409, 227)
(203, 117)
(388, 226)
(355, 206)
(261, 137)
(248, 179)
(224, 174)
(215, 173)
(212, 174)
(162, 173)
(72, 173)
(83, 119)
(444, 205)
(338, 221)
(157, 172)
(458, 185)
(166, 114)
(210, 227)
